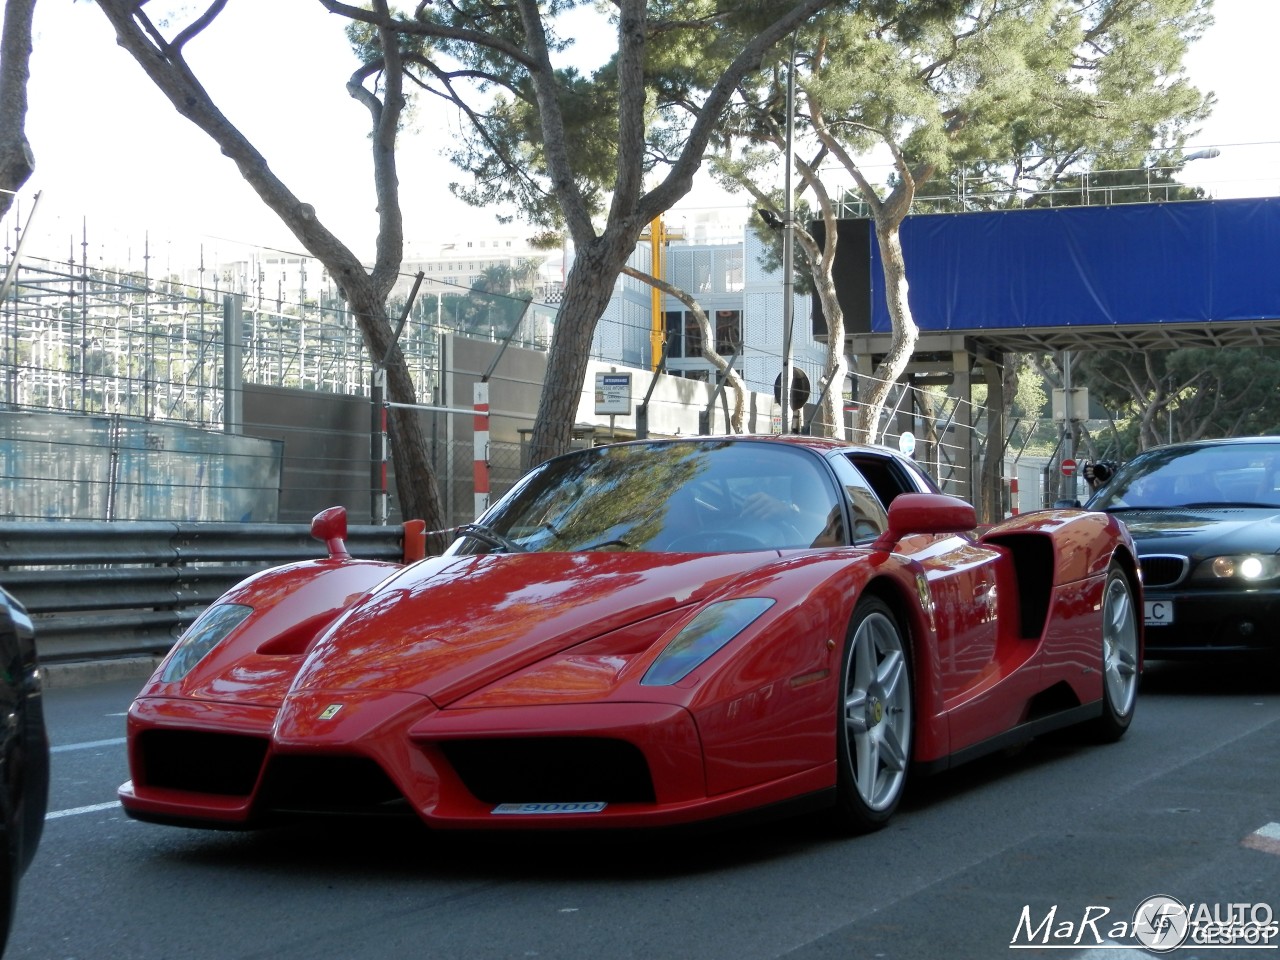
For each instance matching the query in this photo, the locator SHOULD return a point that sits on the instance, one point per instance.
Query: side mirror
(925, 513)
(330, 527)
(1066, 504)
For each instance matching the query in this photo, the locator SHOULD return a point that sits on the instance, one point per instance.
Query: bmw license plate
(550, 808)
(1158, 612)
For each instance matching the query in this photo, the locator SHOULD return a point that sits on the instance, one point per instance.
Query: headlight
(210, 629)
(1249, 567)
(710, 630)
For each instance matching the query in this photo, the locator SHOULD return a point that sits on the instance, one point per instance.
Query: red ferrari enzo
(646, 634)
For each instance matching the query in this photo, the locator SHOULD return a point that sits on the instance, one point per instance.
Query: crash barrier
(102, 590)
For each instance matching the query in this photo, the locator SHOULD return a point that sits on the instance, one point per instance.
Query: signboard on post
(613, 394)
(1068, 468)
(1077, 399)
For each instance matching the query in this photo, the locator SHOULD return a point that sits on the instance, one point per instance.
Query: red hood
(446, 627)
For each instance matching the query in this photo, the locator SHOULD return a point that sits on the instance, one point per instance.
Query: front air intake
(225, 764)
(328, 785)
(551, 770)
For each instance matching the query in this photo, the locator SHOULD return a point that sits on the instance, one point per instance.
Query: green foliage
(484, 58)
(1186, 394)
(1014, 97)
(994, 105)
(508, 137)
(474, 59)
(547, 240)
(769, 232)
(1030, 399)
(1059, 89)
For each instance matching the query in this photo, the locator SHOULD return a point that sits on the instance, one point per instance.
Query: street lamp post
(788, 246)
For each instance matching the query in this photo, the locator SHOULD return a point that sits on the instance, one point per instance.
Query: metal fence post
(232, 365)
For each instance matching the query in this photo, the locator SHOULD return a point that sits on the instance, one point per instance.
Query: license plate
(550, 808)
(1158, 612)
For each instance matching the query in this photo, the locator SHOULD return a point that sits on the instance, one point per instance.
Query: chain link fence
(114, 405)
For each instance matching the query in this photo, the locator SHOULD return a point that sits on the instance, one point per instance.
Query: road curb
(62, 676)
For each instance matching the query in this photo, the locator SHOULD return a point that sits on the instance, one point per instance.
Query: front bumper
(580, 766)
(1192, 624)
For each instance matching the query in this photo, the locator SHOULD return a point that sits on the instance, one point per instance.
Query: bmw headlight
(210, 629)
(706, 633)
(1249, 567)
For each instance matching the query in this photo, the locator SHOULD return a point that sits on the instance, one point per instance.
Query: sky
(118, 168)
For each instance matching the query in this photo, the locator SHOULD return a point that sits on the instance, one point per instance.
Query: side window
(884, 475)
(870, 518)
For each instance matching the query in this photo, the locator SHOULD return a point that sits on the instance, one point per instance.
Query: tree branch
(679, 179)
(198, 25)
(172, 77)
(429, 28)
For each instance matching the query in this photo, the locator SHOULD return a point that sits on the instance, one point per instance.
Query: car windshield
(677, 496)
(1229, 474)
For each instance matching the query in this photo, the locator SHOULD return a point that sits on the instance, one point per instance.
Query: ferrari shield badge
(331, 711)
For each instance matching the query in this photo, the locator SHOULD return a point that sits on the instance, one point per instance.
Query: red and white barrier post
(481, 443)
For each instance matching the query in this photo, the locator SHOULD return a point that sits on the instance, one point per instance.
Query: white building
(743, 302)
(712, 255)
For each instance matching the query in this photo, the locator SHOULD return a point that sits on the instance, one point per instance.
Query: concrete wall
(326, 437)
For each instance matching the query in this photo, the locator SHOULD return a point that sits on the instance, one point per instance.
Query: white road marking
(87, 745)
(93, 807)
(76, 811)
(1265, 838)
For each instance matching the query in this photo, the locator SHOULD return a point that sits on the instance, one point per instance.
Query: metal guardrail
(99, 590)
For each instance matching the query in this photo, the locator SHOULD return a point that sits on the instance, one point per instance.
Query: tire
(875, 719)
(9, 874)
(1120, 667)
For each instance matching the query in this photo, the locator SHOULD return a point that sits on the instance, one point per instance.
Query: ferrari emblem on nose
(331, 711)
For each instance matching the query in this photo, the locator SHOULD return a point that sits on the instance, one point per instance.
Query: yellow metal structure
(658, 267)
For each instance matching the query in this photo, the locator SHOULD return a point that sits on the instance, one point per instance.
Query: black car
(24, 753)
(1206, 520)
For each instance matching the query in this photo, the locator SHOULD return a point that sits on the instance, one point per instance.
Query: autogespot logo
(1160, 924)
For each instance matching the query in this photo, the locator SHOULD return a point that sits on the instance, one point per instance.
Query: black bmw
(24, 754)
(1205, 517)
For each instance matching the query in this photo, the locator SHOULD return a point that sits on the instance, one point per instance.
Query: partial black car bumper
(1190, 624)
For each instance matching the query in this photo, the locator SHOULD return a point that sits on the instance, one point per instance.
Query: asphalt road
(1173, 809)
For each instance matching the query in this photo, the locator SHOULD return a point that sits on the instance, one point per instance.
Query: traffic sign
(1068, 468)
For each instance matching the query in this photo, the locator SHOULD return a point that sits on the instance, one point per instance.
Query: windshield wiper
(1228, 503)
(478, 531)
(614, 542)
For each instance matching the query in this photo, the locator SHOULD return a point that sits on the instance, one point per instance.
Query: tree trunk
(873, 393)
(366, 291)
(831, 415)
(990, 499)
(587, 290)
(416, 487)
(16, 160)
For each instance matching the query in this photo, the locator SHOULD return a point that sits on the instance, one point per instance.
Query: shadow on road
(1249, 677)
(405, 848)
